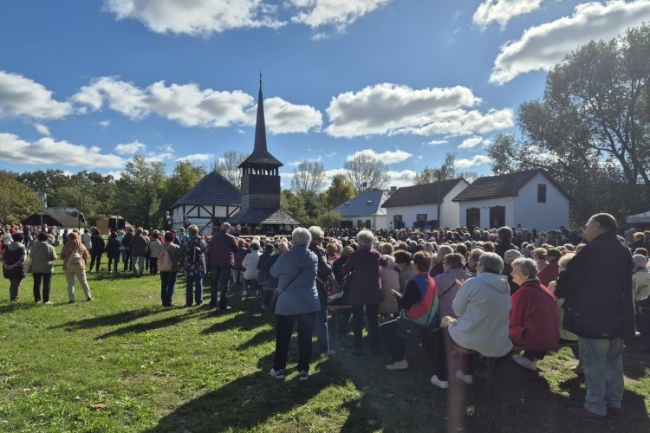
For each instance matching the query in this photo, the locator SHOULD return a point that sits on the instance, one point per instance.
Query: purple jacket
(222, 249)
(365, 287)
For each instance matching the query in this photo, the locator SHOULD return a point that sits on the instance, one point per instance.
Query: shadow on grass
(18, 306)
(246, 403)
(108, 320)
(144, 327)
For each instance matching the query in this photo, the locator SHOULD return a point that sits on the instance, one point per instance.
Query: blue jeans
(194, 284)
(603, 365)
(321, 328)
(219, 278)
(167, 287)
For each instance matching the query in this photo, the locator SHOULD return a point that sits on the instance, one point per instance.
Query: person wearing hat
(551, 271)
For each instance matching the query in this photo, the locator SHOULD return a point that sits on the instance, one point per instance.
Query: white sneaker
(303, 376)
(244, 294)
(467, 378)
(444, 384)
(398, 365)
(525, 362)
(277, 374)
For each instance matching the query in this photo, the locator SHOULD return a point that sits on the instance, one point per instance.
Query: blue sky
(86, 85)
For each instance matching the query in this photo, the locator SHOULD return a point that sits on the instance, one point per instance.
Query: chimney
(392, 190)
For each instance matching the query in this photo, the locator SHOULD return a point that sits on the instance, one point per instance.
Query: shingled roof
(366, 203)
(212, 189)
(506, 185)
(421, 194)
(261, 216)
(260, 155)
(55, 216)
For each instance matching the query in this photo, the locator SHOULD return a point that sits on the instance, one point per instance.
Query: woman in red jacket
(533, 318)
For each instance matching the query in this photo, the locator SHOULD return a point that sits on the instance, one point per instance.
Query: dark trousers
(153, 265)
(167, 287)
(372, 313)
(128, 261)
(112, 262)
(219, 280)
(393, 343)
(47, 284)
(442, 354)
(95, 258)
(284, 329)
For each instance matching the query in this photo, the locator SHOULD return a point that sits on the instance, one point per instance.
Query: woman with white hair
(533, 318)
(365, 289)
(389, 282)
(250, 268)
(297, 300)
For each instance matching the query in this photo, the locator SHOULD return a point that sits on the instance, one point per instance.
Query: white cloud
(471, 162)
(196, 17)
(436, 142)
(401, 178)
(158, 157)
(105, 123)
(197, 157)
(46, 151)
(22, 97)
(42, 129)
(130, 148)
(471, 142)
(542, 47)
(190, 106)
(338, 13)
(502, 11)
(393, 109)
(388, 157)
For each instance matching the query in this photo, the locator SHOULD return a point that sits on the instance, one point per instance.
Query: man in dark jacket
(221, 257)
(127, 240)
(599, 278)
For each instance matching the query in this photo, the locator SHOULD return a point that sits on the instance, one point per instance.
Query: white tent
(639, 218)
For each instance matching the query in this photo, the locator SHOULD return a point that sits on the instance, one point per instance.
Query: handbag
(406, 328)
(588, 322)
(347, 280)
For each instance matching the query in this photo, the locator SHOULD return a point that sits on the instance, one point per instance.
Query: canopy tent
(639, 218)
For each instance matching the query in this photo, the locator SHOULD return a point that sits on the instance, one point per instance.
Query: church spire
(260, 126)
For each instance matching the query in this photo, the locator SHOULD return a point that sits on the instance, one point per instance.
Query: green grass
(124, 364)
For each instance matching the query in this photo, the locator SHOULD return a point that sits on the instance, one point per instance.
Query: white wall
(523, 210)
(199, 215)
(377, 221)
(409, 213)
(543, 216)
(450, 211)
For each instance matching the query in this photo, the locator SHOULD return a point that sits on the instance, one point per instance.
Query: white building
(419, 205)
(528, 199)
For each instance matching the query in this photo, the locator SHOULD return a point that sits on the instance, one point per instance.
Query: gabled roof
(260, 155)
(212, 189)
(506, 185)
(55, 216)
(262, 216)
(366, 203)
(421, 194)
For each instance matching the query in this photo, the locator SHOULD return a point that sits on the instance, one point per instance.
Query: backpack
(75, 261)
(165, 263)
(195, 255)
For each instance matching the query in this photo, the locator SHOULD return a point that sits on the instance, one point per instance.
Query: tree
(140, 188)
(591, 130)
(366, 173)
(228, 166)
(447, 171)
(339, 191)
(182, 179)
(308, 178)
(294, 205)
(17, 200)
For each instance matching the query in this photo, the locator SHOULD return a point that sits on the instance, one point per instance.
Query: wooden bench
(489, 362)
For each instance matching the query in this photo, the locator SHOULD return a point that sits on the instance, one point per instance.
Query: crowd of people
(486, 292)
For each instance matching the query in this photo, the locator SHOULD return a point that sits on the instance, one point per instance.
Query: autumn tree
(140, 189)
(591, 129)
(366, 173)
(228, 166)
(182, 179)
(17, 200)
(446, 171)
(308, 178)
(339, 191)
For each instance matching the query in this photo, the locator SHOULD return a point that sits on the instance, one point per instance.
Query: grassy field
(122, 363)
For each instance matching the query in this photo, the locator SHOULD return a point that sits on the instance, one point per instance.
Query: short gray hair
(445, 249)
(316, 232)
(225, 226)
(510, 254)
(527, 267)
(300, 236)
(492, 262)
(365, 238)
